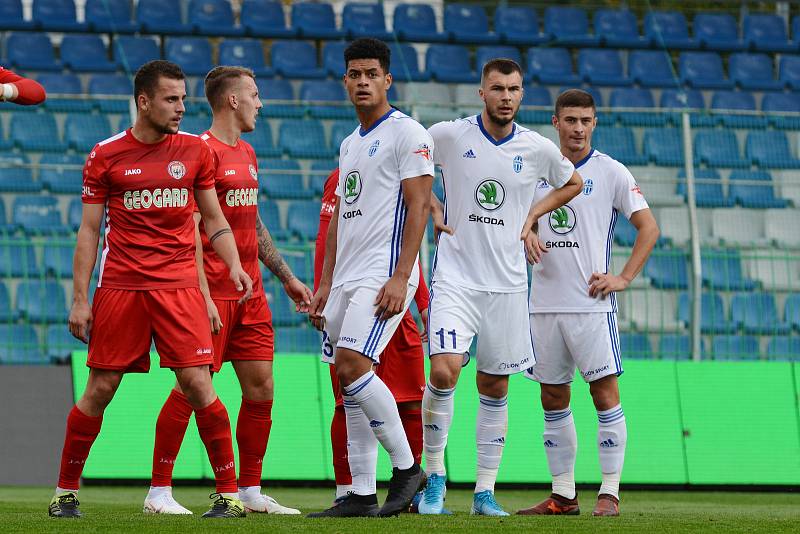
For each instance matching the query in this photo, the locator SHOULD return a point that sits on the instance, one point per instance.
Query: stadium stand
(265, 18)
(518, 25)
(361, 19)
(717, 32)
(315, 21)
(569, 26)
(57, 16)
(468, 23)
(110, 16)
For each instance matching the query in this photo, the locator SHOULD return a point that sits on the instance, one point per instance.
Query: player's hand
(213, 316)
(437, 214)
(602, 284)
(391, 298)
(534, 248)
(318, 302)
(242, 282)
(423, 315)
(80, 321)
(299, 293)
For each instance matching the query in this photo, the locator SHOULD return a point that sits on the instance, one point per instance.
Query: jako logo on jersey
(562, 220)
(253, 172)
(176, 169)
(424, 151)
(517, 164)
(352, 187)
(230, 172)
(374, 147)
(159, 198)
(242, 197)
(588, 185)
(469, 154)
(131, 172)
(490, 194)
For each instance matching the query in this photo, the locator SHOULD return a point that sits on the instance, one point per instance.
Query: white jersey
(372, 212)
(578, 237)
(489, 187)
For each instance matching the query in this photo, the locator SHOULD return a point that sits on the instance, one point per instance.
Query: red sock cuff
(211, 415)
(260, 410)
(180, 403)
(85, 424)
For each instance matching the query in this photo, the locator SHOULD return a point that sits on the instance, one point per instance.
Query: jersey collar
(490, 138)
(362, 132)
(584, 160)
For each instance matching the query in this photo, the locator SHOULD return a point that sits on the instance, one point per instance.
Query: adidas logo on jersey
(469, 154)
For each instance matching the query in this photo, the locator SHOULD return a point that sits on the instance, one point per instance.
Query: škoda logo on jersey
(490, 194)
(562, 220)
(352, 187)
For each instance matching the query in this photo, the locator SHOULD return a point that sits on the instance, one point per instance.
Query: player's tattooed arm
(269, 255)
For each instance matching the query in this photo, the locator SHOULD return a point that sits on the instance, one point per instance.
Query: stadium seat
(261, 140)
(5, 144)
(733, 347)
(62, 173)
(712, 313)
(468, 23)
(42, 301)
(333, 58)
(484, 54)
(213, 18)
(246, 53)
(361, 19)
(770, 150)
(551, 66)
(60, 343)
(668, 29)
(601, 67)
(636, 97)
(110, 16)
(315, 21)
(664, 146)
(766, 33)
(784, 348)
(518, 25)
(265, 19)
(7, 313)
(36, 131)
(756, 313)
(722, 270)
(405, 67)
(624, 231)
(84, 131)
(74, 213)
(791, 311)
(101, 86)
(789, 71)
(340, 130)
(275, 89)
(750, 195)
(270, 216)
(677, 347)
(64, 84)
(318, 174)
(668, 269)
(303, 219)
(15, 177)
(417, 22)
(31, 51)
(130, 53)
(773, 272)
(299, 339)
(682, 98)
(651, 68)
(326, 91)
(193, 54)
(278, 185)
(303, 139)
(57, 259)
(780, 227)
(85, 53)
(18, 259)
(718, 149)
(707, 190)
(635, 346)
(536, 96)
(737, 101)
(37, 214)
(753, 72)
(620, 144)
(13, 17)
(161, 16)
(302, 265)
(296, 59)
(777, 104)
(195, 124)
(283, 314)
(57, 16)
(569, 26)
(738, 227)
(618, 28)
(19, 344)
(717, 31)
(450, 64)
(703, 70)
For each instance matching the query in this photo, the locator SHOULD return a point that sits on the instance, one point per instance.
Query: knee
(100, 396)
(495, 387)
(555, 398)
(262, 390)
(605, 393)
(442, 377)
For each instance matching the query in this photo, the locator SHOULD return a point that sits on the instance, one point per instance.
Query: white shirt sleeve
(628, 198)
(439, 132)
(553, 166)
(414, 151)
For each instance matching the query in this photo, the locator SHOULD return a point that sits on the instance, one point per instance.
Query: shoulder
(608, 165)
(446, 130)
(109, 146)
(404, 125)
(531, 138)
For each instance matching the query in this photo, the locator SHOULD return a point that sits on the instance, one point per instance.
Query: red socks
(82, 430)
(412, 424)
(170, 430)
(215, 431)
(341, 467)
(252, 435)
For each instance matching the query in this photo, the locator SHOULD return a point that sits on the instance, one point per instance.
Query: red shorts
(402, 366)
(125, 321)
(246, 333)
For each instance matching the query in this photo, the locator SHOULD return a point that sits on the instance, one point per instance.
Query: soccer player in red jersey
(142, 181)
(402, 364)
(19, 90)
(243, 332)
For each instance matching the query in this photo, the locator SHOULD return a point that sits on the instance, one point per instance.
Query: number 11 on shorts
(441, 333)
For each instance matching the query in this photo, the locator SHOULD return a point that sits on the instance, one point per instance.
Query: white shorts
(350, 320)
(564, 341)
(500, 320)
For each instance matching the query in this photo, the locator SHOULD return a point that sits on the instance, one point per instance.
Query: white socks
(612, 435)
(561, 448)
(490, 435)
(343, 489)
(249, 493)
(362, 450)
(62, 491)
(437, 414)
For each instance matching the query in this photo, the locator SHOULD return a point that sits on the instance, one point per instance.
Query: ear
(233, 101)
(142, 102)
(555, 122)
(389, 80)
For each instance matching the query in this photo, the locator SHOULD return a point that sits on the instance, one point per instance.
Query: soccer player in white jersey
(370, 273)
(490, 167)
(573, 305)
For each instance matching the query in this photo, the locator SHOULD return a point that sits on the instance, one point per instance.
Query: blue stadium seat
(668, 29)
(60, 343)
(733, 347)
(718, 149)
(756, 314)
(83, 131)
(417, 22)
(319, 175)
(5, 144)
(791, 310)
(569, 26)
(703, 70)
(193, 54)
(110, 16)
(282, 309)
(712, 313)
(737, 101)
(340, 130)
(270, 216)
(777, 104)
(326, 91)
(265, 18)
(130, 53)
(677, 347)
(18, 259)
(213, 18)
(103, 85)
(261, 140)
(468, 23)
(301, 339)
(19, 344)
(37, 214)
(668, 269)
(789, 71)
(682, 98)
(12, 16)
(57, 16)
(784, 348)
(296, 59)
(405, 67)
(750, 195)
(62, 173)
(770, 150)
(722, 269)
(486, 53)
(707, 190)
(333, 58)
(315, 21)
(15, 178)
(283, 185)
(767, 33)
(601, 67)
(74, 214)
(7, 313)
(161, 16)
(36, 131)
(361, 19)
(302, 265)
(636, 97)
(42, 301)
(536, 96)
(624, 232)
(31, 51)
(450, 64)
(246, 53)
(636, 346)
(619, 143)
(753, 72)
(664, 146)
(518, 25)
(717, 31)
(64, 84)
(651, 68)
(57, 260)
(303, 139)
(85, 53)
(303, 219)
(618, 28)
(276, 89)
(551, 66)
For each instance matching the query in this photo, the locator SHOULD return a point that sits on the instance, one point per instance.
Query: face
(575, 127)
(246, 103)
(367, 83)
(164, 110)
(502, 95)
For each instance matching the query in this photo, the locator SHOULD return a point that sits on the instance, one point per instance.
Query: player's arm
(555, 199)
(211, 308)
(221, 237)
(269, 256)
(422, 297)
(325, 281)
(80, 314)
(15, 88)
(437, 213)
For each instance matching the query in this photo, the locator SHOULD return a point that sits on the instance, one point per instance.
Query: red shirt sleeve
(95, 180)
(30, 91)
(422, 296)
(208, 168)
(325, 214)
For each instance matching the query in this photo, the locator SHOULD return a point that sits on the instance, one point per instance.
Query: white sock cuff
(557, 418)
(493, 402)
(359, 384)
(609, 417)
(439, 393)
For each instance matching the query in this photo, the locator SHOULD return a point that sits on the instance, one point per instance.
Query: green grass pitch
(118, 509)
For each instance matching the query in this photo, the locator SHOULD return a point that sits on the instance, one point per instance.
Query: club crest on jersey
(490, 194)
(352, 187)
(562, 220)
(176, 169)
(253, 172)
(588, 185)
(374, 147)
(517, 164)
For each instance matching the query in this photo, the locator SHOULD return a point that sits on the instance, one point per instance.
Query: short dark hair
(219, 80)
(146, 78)
(501, 65)
(368, 48)
(575, 98)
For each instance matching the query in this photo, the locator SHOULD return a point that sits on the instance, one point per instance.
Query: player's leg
(341, 467)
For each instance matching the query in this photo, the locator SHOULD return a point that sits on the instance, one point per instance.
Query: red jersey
(148, 190)
(30, 91)
(236, 183)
